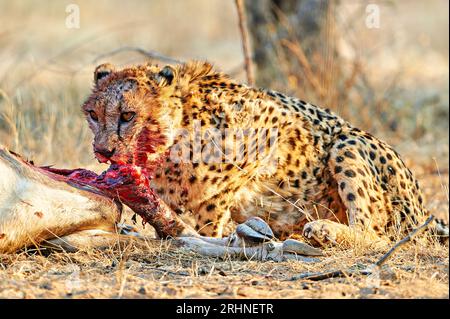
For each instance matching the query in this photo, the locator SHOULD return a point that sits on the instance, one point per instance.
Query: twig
(149, 54)
(333, 274)
(297, 50)
(408, 238)
(321, 276)
(245, 42)
(367, 271)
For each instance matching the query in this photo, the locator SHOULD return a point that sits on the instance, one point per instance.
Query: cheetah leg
(325, 231)
(360, 194)
(211, 217)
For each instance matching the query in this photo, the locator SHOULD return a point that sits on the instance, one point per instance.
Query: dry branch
(303, 60)
(245, 42)
(148, 54)
(408, 238)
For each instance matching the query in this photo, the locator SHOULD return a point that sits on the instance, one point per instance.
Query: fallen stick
(333, 274)
(408, 238)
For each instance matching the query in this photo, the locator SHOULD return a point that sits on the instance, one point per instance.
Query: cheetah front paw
(324, 231)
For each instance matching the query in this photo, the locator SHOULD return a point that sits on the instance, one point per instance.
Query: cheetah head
(131, 113)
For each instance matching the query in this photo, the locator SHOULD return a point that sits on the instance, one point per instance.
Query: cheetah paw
(323, 231)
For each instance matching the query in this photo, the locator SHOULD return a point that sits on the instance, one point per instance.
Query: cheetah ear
(165, 76)
(102, 71)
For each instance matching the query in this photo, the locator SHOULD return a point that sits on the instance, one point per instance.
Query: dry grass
(45, 73)
(133, 272)
(369, 75)
(415, 272)
(154, 270)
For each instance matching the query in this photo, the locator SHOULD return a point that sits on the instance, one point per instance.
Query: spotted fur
(330, 177)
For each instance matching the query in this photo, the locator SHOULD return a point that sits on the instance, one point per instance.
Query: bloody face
(130, 124)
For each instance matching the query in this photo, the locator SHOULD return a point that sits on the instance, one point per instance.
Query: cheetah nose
(105, 152)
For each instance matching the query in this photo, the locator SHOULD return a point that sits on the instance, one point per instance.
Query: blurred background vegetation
(392, 80)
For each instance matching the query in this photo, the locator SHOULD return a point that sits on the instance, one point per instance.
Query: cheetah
(315, 177)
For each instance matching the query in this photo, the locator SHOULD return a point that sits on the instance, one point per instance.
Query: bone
(297, 247)
(271, 251)
(255, 229)
(248, 243)
(245, 231)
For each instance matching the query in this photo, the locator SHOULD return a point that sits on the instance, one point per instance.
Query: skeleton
(74, 209)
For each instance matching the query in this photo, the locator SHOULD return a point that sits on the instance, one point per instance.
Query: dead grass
(366, 74)
(416, 272)
(154, 270)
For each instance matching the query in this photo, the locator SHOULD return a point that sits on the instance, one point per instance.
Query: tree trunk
(272, 23)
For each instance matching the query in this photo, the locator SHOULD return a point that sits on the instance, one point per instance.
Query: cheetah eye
(93, 116)
(127, 116)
